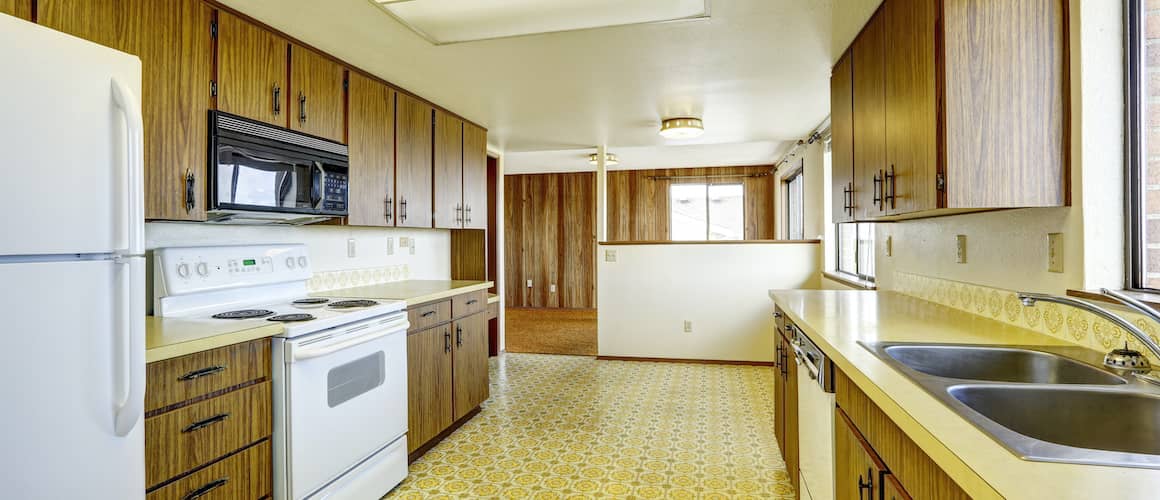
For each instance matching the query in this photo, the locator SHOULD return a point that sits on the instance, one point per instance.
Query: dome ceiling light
(682, 128)
(609, 159)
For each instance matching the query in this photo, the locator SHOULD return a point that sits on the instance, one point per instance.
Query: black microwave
(259, 173)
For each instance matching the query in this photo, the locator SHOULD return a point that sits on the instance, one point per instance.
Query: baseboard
(687, 360)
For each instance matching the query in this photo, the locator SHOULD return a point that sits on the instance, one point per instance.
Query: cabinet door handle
(427, 314)
(878, 189)
(201, 424)
(469, 214)
(190, 191)
(868, 485)
(388, 208)
(208, 487)
(891, 186)
(446, 341)
(458, 336)
(459, 213)
(203, 372)
(301, 107)
(277, 95)
(403, 210)
(472, 301)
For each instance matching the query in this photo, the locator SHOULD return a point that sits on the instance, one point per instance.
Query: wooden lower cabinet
(244, 475)
(428, 384)
(786, 407)
(858, 471)
(18, 8)
(470, 377)
(892, 489)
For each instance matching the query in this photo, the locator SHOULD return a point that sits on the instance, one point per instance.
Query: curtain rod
(712, 176)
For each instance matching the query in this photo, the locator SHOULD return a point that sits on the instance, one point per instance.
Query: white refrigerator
(72, 282)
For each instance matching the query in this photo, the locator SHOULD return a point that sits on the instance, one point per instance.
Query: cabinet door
(18, 8)
(911, 112)
(372, 152)
(448, 171)
(174, 42)
(474, 177)
(316, 85)
(791, 420)
(471, 377)
(252, 71)
(869, 119)
(892, 489)
(413, 168)
(428, 384)
(857, 469)
(842, 139)
(779, 395)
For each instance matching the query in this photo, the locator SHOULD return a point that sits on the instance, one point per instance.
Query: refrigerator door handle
(130, 341)
(134, 214)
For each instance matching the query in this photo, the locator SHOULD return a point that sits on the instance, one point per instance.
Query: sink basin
(998, 364)
(1096, 419)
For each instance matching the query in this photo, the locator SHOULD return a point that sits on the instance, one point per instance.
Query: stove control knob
(202, 269)
(290, 262)
(183, 270)
(302, 261)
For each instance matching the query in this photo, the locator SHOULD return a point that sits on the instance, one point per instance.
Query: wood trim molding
(686, 360)
(849, 281)
(713, 242)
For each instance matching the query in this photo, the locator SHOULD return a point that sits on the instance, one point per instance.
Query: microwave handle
(316, 195)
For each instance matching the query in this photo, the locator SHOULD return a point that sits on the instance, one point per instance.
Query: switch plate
(889, 246)
(610, 256)
(688, 326)
(552, 288)
(390, 245)
(961, 248)
(1055, 252)
(529, 283)
(405, 241)
(350, 248)
(412, 247)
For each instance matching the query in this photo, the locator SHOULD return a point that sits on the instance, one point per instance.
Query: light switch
(889, 246)
(1055, 252)
(390, 245)
(961, 248)
(529, 283)
(552, 288)
(688, 326)
(350, 248)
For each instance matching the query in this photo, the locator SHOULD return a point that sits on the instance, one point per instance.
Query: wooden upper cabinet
(471, 376)
(842, 141)
(911, 107)
(252, 71)
(372, 152)
(449, 211)
(857, 469)
(1007, 94)
(474, 177)
(174, 42)
(319, 100)
(18, 8)
(869, 53)
(413, 162)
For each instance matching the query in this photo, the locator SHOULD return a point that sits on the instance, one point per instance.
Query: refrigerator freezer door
(66, 383)
(70, 133)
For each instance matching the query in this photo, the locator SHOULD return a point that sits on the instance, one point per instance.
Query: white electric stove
(339, 368)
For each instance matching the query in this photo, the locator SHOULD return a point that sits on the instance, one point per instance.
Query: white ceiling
(757, 72)
(451, 21)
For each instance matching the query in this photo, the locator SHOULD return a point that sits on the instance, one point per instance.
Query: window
(855, 249)
(700, 212)
(794, 212)
(1142, 146)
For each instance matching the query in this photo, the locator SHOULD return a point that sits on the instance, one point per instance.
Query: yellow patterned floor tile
(570, 427)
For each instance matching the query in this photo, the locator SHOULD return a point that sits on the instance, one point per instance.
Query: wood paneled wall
(638, 201)
(550, 238)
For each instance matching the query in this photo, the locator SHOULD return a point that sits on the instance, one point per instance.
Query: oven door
(342, 398)
(249, 177)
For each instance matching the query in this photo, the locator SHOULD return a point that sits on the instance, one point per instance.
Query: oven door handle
(310, 353)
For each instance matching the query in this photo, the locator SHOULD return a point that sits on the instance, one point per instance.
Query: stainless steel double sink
(1050, 404)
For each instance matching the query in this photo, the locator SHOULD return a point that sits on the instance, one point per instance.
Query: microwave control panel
(335, 192)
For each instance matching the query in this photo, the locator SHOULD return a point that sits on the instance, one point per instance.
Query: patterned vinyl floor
(574, 427)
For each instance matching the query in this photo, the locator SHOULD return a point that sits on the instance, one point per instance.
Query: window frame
(857, 274)
(1135, 275)
(708, 220)
(786, 182)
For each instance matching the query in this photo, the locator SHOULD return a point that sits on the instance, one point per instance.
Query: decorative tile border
(1062, 322)
(348, 278)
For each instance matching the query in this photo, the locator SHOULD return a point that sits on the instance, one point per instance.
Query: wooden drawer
(181, 379)
(468, 304)
(493, 310)
(428, 315)
(184, 439)
(245, 476)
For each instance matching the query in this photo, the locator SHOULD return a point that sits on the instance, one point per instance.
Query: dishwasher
(815, 418)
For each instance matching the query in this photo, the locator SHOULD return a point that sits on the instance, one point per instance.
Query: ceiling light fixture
(682, 128)
(609, 159)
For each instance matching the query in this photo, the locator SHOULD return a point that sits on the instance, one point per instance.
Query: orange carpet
(551, 331)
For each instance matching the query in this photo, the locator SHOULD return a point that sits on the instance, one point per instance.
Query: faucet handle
(1127, 360)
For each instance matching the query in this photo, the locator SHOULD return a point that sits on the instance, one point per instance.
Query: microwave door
(258, 180)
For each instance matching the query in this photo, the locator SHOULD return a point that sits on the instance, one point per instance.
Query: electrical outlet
(350, 248)
(404, 241)
(889, 246)
(529, 283)
(552, 288)
(688, 326)
(413, 245)
(390, 245)
(1055, 252)
(610, 256)
(961, 248)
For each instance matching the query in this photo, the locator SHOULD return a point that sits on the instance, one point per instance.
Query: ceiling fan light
(682, 128)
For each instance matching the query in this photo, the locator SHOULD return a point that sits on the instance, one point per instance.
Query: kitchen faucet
(1124, 359)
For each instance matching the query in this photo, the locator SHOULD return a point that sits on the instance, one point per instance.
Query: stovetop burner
(310, 302)
(290, 318)
(244, 314)
(350, 304)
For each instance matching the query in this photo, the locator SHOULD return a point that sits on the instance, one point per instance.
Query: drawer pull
(427, 314)
(472, 301)
(210, 486)
(201, 424)
(204, 372)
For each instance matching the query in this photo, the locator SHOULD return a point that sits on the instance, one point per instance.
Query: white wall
(647, 294)
(809, 157)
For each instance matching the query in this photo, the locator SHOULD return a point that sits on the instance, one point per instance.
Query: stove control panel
(188, 270)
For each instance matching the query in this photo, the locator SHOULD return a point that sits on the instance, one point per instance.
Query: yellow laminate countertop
(837, 319)
(412, 291)
(174, 337)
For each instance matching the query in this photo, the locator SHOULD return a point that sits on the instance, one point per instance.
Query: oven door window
(251, 178)
(348, 381)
